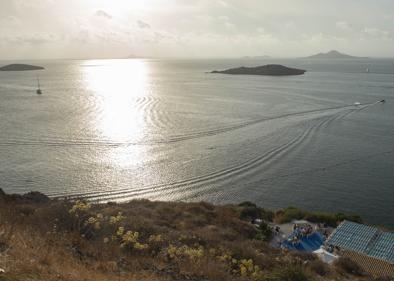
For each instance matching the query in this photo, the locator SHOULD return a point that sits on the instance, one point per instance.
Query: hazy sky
(194, 28)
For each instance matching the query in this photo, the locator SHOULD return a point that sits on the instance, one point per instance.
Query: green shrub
(265, 231)
(350, 217)
(247, 204)
(291, 213)
(250, 213)
(249, 210)
(267, 214)
(318, 217)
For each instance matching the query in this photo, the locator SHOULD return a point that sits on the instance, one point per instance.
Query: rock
(269, 69)
(20, 67)
(36, 197)
(33, 197)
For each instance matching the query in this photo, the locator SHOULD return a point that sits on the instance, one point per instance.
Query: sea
(168, 129)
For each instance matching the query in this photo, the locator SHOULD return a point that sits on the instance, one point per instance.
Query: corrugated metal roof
(364, 239)
(384, 247)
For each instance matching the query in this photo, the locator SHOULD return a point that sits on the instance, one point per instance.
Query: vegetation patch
(42, 239)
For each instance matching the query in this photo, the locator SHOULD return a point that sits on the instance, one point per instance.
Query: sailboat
(38, 92)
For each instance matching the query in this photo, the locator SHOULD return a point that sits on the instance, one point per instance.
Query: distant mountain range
(256, 57)
(333, 55)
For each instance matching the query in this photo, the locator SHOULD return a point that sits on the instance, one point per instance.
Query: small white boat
(357, 103)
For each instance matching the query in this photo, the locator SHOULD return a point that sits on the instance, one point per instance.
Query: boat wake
(49, 141)
(193, 186)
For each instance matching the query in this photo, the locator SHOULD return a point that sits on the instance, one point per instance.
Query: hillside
(332, 55)
(43, 239)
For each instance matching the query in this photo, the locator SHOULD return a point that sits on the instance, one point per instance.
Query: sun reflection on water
(116, 86)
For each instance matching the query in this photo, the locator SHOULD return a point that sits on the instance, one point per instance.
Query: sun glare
(120, 6)
(116, 86)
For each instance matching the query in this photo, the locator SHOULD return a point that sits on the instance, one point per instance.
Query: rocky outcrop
(20, 67)
(32, 197)
(269, 69)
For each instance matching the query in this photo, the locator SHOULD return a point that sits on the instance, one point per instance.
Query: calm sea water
(167, 130)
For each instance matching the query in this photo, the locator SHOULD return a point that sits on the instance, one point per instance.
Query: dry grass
(61, 240)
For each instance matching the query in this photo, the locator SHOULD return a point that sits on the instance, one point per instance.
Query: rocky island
(269, 69)
(20, 67)
(333, 55)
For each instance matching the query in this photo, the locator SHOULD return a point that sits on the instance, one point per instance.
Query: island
(333, 55)
(20, 67)
(269, 69)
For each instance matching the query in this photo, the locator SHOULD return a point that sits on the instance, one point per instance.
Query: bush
(319, 267)
(350, 217)
(247, 204)
(292, 213)
(250, 213)
(346, 265)
(287, 273)
(267, 214)
(317, 217)
(265, 232)
(250, 210)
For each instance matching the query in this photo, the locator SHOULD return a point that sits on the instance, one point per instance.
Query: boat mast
(38, 82)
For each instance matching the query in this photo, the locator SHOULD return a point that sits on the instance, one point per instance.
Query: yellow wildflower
(155, 238)
(140, 246)
(120, 231)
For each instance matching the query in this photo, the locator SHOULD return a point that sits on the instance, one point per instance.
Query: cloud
(343, 25)
(376, 32)
(142, 24)
(103, 14)
(33, 39)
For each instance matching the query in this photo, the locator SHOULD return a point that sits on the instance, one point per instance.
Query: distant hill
(333, 55)
(256, 57)
(269, 69)
(20, 67)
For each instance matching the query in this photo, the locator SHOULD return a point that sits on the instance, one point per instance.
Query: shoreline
(157, 241)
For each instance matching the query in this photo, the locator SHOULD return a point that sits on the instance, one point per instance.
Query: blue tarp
(306, 244)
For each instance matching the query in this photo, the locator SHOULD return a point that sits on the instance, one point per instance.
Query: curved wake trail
(171, 139)
(236, 171)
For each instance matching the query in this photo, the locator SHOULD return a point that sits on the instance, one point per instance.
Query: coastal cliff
(269, 69)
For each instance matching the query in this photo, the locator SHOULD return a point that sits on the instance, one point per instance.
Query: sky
(37, 29)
